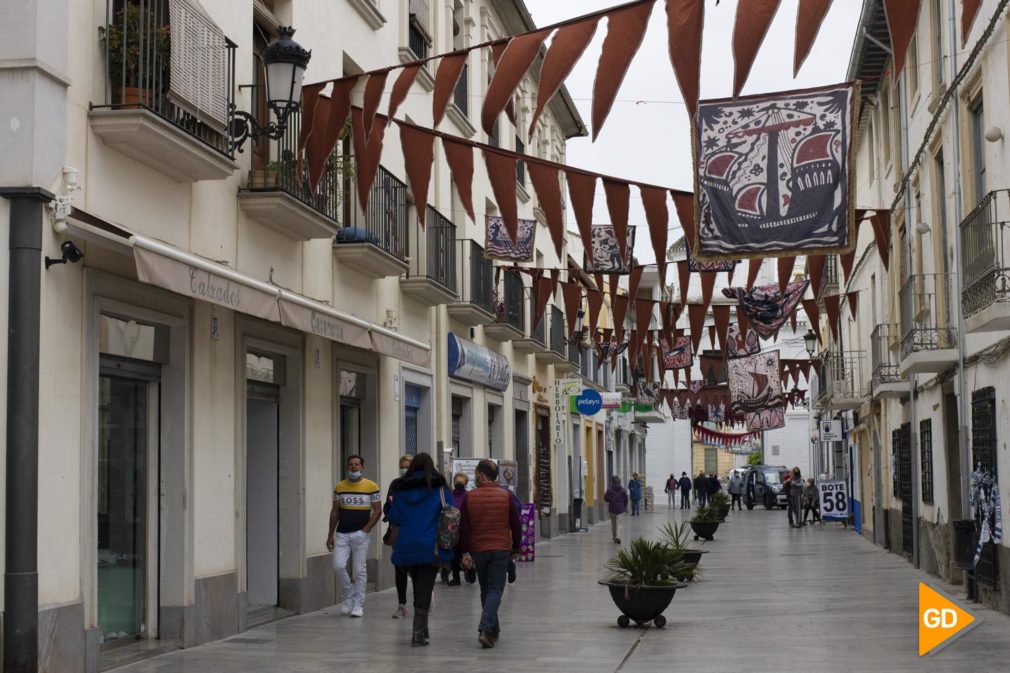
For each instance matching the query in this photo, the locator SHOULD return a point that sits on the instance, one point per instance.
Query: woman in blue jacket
(635, 492)
(418, 499)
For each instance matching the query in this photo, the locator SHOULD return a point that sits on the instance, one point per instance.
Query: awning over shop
(190, 275)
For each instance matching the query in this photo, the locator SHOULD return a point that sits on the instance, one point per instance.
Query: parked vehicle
(763, 486)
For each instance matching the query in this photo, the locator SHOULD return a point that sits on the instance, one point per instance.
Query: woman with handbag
(389, 538)
(422, 511)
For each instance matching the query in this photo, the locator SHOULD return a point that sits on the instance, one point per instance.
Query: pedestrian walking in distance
(735, 491)
(459, 482)
(617, 504)
(811, 501)
(712, 481)
(390, 539)
(671, 491)
(701, 489)
(795, 496)
(685, 491)
(357, 507)
(418, 500)
(490, 532)
(635, 493)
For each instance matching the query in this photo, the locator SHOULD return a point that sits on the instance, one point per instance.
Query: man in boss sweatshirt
(490, 531)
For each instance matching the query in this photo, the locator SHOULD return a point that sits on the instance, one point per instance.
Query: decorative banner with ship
(607, 256)
(766, 307)
(679, 355)
(740, 344)
(755, 383)
(772, 174)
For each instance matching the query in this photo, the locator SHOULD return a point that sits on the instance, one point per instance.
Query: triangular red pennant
(459, 156)
(566, 47)
(881, 221)
(595, 302)
(401, 87)
(658, 218)
(707, 286)
(684, 273)
(969, 8)
(620, 307)
(625, 32)
(501, 172)
(581, 191)
(853, 300)
(721, 316)
(373, 94)
(696, 319)
(808, 23)
(815, 272)
(846, 260)
(618, 201)
(572, 295)
(418, 156)
(685, 21)
(753, 18)
(786, 265)
(446, 76)
(367, 153)
(902, 17)
(753, 267)
(548, 188)
(509, 71)
(328, 122)
(831, 306)
(813, 317)
(634, 280)
(684, 203)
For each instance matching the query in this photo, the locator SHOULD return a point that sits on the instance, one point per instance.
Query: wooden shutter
(199, 79)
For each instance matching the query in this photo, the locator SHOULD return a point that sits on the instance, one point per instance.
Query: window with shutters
(983, 429)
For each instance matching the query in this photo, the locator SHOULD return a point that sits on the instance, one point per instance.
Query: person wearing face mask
(459, 482)
(489, 533)
(355, 511)
(390, 538)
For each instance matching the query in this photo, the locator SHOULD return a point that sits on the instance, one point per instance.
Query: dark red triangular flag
(566, 47)
(501, 173)
(831, 306)
(808, 22)
(459, 156)
(753, 17)
(545, 179)
(685, 21)
(625, 31)
(418, 147)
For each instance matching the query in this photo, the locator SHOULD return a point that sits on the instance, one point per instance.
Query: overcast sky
(647, 137)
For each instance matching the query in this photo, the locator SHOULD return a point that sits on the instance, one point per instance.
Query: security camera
(71, 253)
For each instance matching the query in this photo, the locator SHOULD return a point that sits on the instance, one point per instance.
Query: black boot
(420, 631)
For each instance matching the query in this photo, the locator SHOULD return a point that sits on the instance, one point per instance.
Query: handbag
(448, 523)
(389, 537)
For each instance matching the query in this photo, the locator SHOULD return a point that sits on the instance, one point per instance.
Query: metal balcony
(985, 295)
(829, 280)
(840, 386)
(887, 379)
(475, 305)
(431, 278)
(510, 315)
(555, 332)
(928, 342)
(534, 339)
(376, 243)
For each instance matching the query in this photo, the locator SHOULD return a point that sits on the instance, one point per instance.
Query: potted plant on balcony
(705, 523)
(643, 581)
(719, 501)
(139, 55)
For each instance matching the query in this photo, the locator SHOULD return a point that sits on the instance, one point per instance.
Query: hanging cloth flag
(500, 247)
(678, 355)
(766, 419)
(773, 173)
(606, 251)
(755, 383)
(766, 307)
(740, 344)
(881, 222)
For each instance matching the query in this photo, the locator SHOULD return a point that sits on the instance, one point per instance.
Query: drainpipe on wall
(21, 585)
(962, 387)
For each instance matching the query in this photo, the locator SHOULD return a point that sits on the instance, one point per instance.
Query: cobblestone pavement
(770, 599)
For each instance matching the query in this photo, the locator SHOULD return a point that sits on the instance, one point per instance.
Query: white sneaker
(358, 612)
(346, 606)
(401, 611)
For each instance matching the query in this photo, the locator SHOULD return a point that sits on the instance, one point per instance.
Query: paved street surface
(770, 599)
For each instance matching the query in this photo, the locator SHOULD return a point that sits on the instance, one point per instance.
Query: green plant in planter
(706, 515)
(132, 41)
(718, 499)
(647, 563)
(676, 535)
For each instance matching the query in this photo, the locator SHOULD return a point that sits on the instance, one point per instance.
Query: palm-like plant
(706, 515)
(647, 563)
(718, 499)
(676, 535)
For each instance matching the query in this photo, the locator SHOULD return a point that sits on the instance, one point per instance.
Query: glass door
(127, 507)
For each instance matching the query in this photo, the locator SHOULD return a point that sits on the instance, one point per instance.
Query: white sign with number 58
(834, 500)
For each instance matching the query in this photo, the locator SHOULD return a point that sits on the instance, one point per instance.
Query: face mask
(403, 471)
(354, 475)
(460, 486)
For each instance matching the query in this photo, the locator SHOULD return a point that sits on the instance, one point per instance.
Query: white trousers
(353, 547)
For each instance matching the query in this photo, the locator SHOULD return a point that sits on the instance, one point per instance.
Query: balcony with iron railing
(169, 93)
(985, 294)
(375, 243)
(534, 338)
(550, 333)
(928, 341)
(510, 311)
(431, 278)
(280, 198)
(829, 279)
(475, 304)
(887, 379)
(840, 382)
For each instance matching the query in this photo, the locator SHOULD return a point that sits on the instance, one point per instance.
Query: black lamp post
(810, 339)
(284, 61)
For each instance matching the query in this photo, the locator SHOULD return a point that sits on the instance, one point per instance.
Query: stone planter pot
(642, 604)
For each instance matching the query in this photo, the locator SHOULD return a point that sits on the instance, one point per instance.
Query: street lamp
(284, 61)
(810, 339)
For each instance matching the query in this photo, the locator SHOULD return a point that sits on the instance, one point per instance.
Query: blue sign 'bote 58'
(589, 402)
(472, 362)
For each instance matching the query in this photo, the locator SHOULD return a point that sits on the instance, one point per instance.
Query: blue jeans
(492, 567)
(685, 499)
(634, 507)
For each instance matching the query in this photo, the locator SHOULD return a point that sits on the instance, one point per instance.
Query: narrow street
(769, 599)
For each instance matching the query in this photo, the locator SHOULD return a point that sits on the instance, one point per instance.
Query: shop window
(130, 339)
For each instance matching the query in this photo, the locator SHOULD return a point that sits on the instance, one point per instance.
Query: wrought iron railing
(983, 253)
(385, 225)
(840, 376)
(925, 321)
(281, 173)
(137, 46)
(438, 263)
(417, 41)
(829, 279)
(574, 354)
(883, 343)
(557, 330)
(539, 331)
(520, 165)
(512, 311)
(461, 94)
(477, 275)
